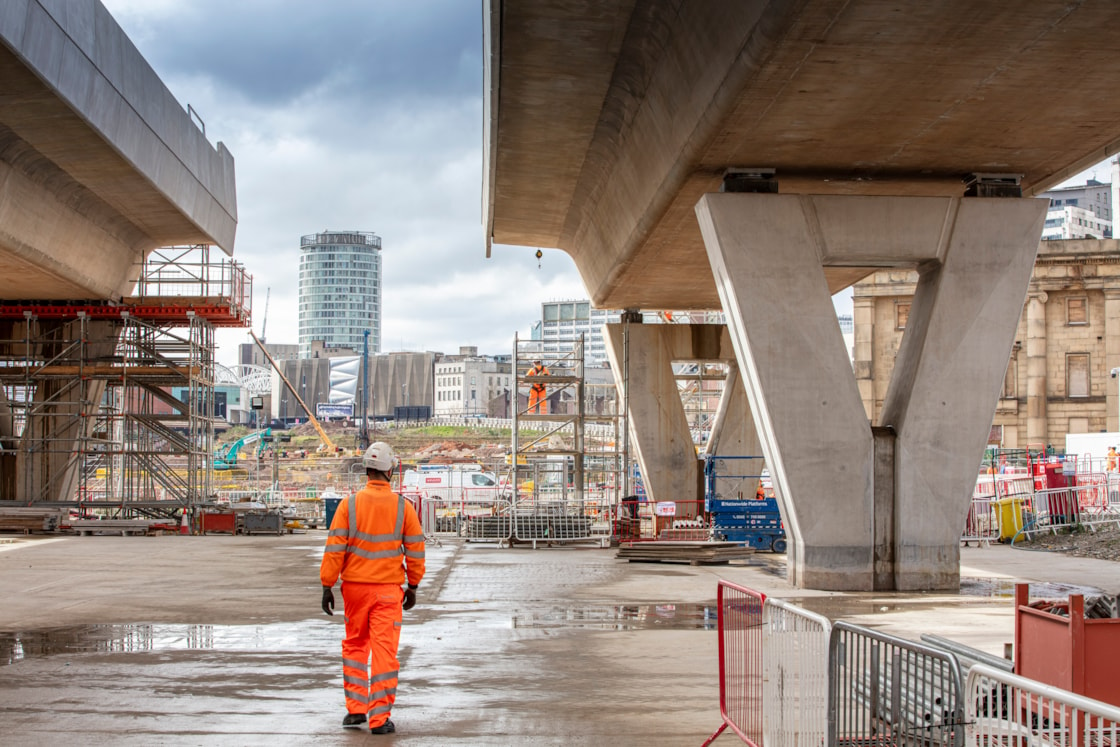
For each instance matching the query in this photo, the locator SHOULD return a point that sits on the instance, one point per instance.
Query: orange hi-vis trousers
(369, 651)
(538, 403)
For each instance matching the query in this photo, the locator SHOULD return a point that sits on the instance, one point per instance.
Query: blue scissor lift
(735, 517)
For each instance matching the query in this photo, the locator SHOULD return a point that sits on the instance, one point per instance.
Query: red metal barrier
(1067, 651)
(739, 623)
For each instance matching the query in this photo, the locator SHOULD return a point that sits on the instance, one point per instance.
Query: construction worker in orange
(1112, 458)
(370, 535)
(537, 402)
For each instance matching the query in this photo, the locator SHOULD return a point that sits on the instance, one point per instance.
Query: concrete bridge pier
(661, 439)
(872, 508)
(41, 464)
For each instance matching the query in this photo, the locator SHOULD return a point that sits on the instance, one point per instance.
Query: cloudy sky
(354, 115)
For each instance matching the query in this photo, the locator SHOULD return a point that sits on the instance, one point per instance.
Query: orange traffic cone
(183, 527)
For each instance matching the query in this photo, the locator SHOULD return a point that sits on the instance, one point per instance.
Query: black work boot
(353, 721)
(385, 728)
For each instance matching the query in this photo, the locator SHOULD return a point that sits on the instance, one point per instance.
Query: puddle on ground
(973, 590)
(1004, 588)
(622, 617)
(144, 638)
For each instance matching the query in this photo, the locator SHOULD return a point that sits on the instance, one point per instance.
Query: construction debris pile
(454, 452)
(1096, 608)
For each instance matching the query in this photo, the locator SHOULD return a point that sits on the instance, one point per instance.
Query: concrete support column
(661, 441)
(863, 329)
(948, 376)
(47, 462)
(871, 511)
(1036, 370)
(1112, 355)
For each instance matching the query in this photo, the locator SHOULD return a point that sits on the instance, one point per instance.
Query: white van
(453, 482)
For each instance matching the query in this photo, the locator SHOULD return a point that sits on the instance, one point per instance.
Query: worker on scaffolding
(367, 539)
(538, 403)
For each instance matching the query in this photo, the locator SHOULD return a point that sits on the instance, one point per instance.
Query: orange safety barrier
(739, 622)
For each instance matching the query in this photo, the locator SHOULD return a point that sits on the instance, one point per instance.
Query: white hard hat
(379, 456)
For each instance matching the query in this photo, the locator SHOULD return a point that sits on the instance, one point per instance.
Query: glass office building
(339, 290)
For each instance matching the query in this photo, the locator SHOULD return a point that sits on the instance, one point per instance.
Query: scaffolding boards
(567, 455)
(109, 406)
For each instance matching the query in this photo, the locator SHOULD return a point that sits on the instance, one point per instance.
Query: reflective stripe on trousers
(373, 632)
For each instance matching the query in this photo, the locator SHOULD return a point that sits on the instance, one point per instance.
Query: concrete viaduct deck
(99, 166)
(99, 163)
(899, 134)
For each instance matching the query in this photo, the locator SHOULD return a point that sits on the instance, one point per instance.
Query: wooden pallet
(28, 520)
(693, 553)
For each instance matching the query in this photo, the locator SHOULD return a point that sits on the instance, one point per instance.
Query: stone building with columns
(1058, 377)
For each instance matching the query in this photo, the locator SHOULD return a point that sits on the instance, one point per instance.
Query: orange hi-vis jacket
(370, 535)
(537, 371)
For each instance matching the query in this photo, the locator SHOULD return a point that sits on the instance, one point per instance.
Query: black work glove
(328, 600)
(409, 598)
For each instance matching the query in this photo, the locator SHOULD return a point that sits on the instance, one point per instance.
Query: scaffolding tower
(110, 404)
(567, 465)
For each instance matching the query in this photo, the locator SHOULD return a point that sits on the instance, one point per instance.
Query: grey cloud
(278, 51)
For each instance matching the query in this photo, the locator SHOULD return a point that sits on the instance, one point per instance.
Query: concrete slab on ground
(220, 640)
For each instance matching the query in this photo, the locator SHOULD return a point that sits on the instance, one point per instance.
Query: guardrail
(789, 678)
(1082, 505)
(493, 525)
(983, 521)
(1000, 508)
(887, 690)
(795, 675)
(739, 622)
(1006, 709)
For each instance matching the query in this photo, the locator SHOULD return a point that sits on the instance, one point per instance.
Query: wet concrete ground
(219, 640)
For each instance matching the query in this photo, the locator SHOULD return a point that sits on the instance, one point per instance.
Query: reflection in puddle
(1004, 588)
(141, 638)
(973, 590)
(622, 617)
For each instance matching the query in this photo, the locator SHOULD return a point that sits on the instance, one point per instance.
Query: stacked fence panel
(886, 690)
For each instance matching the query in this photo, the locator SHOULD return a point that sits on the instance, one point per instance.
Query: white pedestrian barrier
(1006, 709)
(795, 675)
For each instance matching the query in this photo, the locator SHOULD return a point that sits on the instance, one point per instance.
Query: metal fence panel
(885, 690)
(740, 662)
(557, 517)
(1006, 709)
(982, 523)
(490, 522)
(795, 676)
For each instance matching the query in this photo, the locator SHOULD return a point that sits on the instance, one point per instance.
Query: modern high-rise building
(1079, 212)
(339, 290)
(562, 322)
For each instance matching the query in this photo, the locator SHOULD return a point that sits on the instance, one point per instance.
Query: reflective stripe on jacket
(369, 537)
